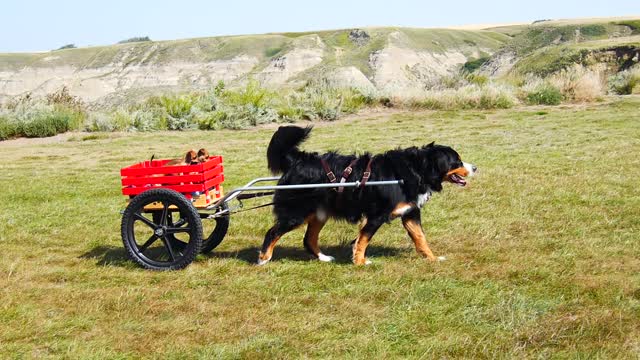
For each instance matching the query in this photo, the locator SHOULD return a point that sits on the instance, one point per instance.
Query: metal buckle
(331, 176)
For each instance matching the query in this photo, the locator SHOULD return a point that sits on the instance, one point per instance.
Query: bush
(578, 83)
(476, 79)
(36, 119)
(593, 30)
(7, 128)
(176, 110)
(544, 94)
(135, 39)
(68, 46)
(467, 97)
(625, 82)
(63, 98)
(252, 94)
(473, 65)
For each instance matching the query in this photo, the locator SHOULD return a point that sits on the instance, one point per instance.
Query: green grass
(542, 250)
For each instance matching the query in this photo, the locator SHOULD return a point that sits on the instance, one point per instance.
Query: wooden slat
(157, 167)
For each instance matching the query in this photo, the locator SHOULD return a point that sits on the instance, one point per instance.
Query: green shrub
(473, 65)
(270, 52)
(625, 82)
(8, 129)
(593, 30)
(211, 120)
(495, 100)
(49, 123)
(175, 111)
(32, 119)
(476, 79)
(135, 39)
(544, 94)
(252, 94)
(68, 46)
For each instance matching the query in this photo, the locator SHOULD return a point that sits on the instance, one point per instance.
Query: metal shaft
(248, 188)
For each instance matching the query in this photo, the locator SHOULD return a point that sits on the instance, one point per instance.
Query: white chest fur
(423, 198)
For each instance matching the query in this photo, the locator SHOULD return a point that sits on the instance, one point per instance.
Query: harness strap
(347, 171)
(327, 170)
(367, 174)
(345, 174)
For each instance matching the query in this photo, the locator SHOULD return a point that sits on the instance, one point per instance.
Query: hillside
(386, 60)
(389, 59)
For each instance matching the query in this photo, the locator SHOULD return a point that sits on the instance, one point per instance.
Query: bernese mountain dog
(421, 169)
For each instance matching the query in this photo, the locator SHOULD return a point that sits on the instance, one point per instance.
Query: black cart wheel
(218, 233)
(167, 239)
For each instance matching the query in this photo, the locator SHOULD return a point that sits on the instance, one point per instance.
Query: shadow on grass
(108, 255)
(117, 256)
(342, 253)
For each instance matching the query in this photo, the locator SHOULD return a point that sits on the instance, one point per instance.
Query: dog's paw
(442, 258)
(325, 258)
(261, 262)
(367, 262)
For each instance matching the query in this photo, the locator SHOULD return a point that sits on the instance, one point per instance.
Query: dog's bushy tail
(283, 148)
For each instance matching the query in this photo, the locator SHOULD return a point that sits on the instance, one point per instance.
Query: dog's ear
(190, 157)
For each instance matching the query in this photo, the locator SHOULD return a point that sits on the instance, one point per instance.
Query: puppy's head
(191, 157)
(444, 164)
(203, 155)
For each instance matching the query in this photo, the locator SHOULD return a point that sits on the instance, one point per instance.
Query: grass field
(542, 247)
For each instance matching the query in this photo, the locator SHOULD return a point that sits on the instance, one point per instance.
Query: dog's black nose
(474, 168)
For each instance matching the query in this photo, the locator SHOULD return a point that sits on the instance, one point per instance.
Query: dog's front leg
(411, 222)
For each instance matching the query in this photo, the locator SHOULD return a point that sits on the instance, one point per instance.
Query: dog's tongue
(458, 179)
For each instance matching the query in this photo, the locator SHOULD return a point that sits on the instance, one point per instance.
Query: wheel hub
(159, 231)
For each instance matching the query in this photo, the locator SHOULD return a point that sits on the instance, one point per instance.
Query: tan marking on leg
(266, 256)
(417, 235)
(401, 209)
(313, 233)
(359, 249)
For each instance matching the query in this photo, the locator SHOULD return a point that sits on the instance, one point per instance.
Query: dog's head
(203, 155)
(191, 157)
(442, 163)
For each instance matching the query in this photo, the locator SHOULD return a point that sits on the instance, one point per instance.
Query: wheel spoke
(175, 230)
(178, 244)
(179, 223)
(167, 245)
(148, 222)
(163, 217)
(148, 243)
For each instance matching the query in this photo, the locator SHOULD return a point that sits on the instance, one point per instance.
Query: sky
(41, 25)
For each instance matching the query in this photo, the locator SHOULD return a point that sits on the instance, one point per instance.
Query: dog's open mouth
(457, 179)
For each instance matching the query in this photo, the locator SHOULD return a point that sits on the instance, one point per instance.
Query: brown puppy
(190, 158)
(203, 155)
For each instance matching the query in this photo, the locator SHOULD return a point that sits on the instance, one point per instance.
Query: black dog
(422, 171)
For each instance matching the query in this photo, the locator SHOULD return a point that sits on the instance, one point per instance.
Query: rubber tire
(184, 205)
(218, 233)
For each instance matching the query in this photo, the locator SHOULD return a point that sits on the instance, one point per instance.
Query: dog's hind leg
(273, 235)
(366, 233)
(411, 222)
(311, 238)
